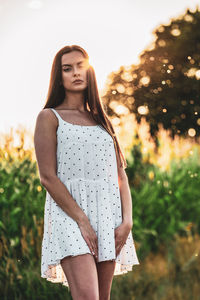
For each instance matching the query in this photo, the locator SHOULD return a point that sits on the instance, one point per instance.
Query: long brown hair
(56, 95)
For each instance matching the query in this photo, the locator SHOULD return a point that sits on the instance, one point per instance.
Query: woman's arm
(45, 142)
(125, 195)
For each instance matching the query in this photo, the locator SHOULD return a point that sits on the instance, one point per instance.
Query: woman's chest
(83, 135)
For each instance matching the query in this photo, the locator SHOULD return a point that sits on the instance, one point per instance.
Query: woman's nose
(76, 70)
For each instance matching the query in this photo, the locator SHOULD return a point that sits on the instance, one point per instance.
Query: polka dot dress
(86, 164)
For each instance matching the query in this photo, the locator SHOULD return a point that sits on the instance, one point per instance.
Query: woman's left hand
(121, 235)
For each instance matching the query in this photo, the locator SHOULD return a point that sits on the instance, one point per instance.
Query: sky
(112, 32)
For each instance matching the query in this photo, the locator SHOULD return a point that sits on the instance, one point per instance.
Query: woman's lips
(78, 81)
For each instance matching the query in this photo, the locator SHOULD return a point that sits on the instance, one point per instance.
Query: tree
(165, 86)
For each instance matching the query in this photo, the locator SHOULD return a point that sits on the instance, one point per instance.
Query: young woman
(88, 210)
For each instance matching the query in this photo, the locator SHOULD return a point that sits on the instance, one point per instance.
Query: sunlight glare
(143, 110)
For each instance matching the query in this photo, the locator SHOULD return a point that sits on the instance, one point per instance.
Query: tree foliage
(165, 86)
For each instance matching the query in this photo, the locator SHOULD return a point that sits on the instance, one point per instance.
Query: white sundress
(87, 166)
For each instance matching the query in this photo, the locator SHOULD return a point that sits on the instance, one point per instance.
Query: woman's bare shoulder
(46, 121)
(46, 116)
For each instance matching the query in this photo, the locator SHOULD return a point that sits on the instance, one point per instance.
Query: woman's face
(74, 66)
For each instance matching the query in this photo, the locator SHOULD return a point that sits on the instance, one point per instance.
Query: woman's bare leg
(105, 270)
(81, 274)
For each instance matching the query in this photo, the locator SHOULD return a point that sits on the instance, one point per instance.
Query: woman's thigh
(105, 271)
(81, 273)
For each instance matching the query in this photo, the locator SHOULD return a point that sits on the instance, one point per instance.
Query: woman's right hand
(90, 237)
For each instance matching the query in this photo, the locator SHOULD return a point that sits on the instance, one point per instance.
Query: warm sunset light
(191, 132)
(64, 191)
(143, 110)
(28, 30)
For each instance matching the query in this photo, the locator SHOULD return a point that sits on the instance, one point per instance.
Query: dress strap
(57, 115)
